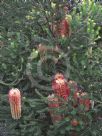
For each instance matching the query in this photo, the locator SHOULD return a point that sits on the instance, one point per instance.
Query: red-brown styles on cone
(62, 28)
(15, 103)
(65, 29)
(60, 86)
(79, 96)
(54, 103)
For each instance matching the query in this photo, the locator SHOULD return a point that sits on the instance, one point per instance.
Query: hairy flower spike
(65, 28)
(81, 99)
(15, 103)
(53, 104)
(60, 87)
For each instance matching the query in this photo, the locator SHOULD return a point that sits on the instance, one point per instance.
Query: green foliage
(23, 26)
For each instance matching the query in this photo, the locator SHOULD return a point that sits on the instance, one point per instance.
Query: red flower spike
(65, 28)
(15, 103)
(60, 87)
(85, 101)
(54, 103)
(79, 97)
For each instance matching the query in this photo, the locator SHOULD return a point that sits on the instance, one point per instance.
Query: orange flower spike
(53, 104)
(15, 103)
(60, 87)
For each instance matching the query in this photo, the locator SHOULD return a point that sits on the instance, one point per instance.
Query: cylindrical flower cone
(65, 29)
(81, 99)
(85, 101)
(53, 104)
(60, 86)
(15, 103)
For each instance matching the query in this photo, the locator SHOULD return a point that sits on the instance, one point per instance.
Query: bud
(15, 103)
(60, 87)
(53, 104)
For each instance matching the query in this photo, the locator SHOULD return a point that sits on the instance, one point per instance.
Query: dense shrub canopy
(25, 26)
